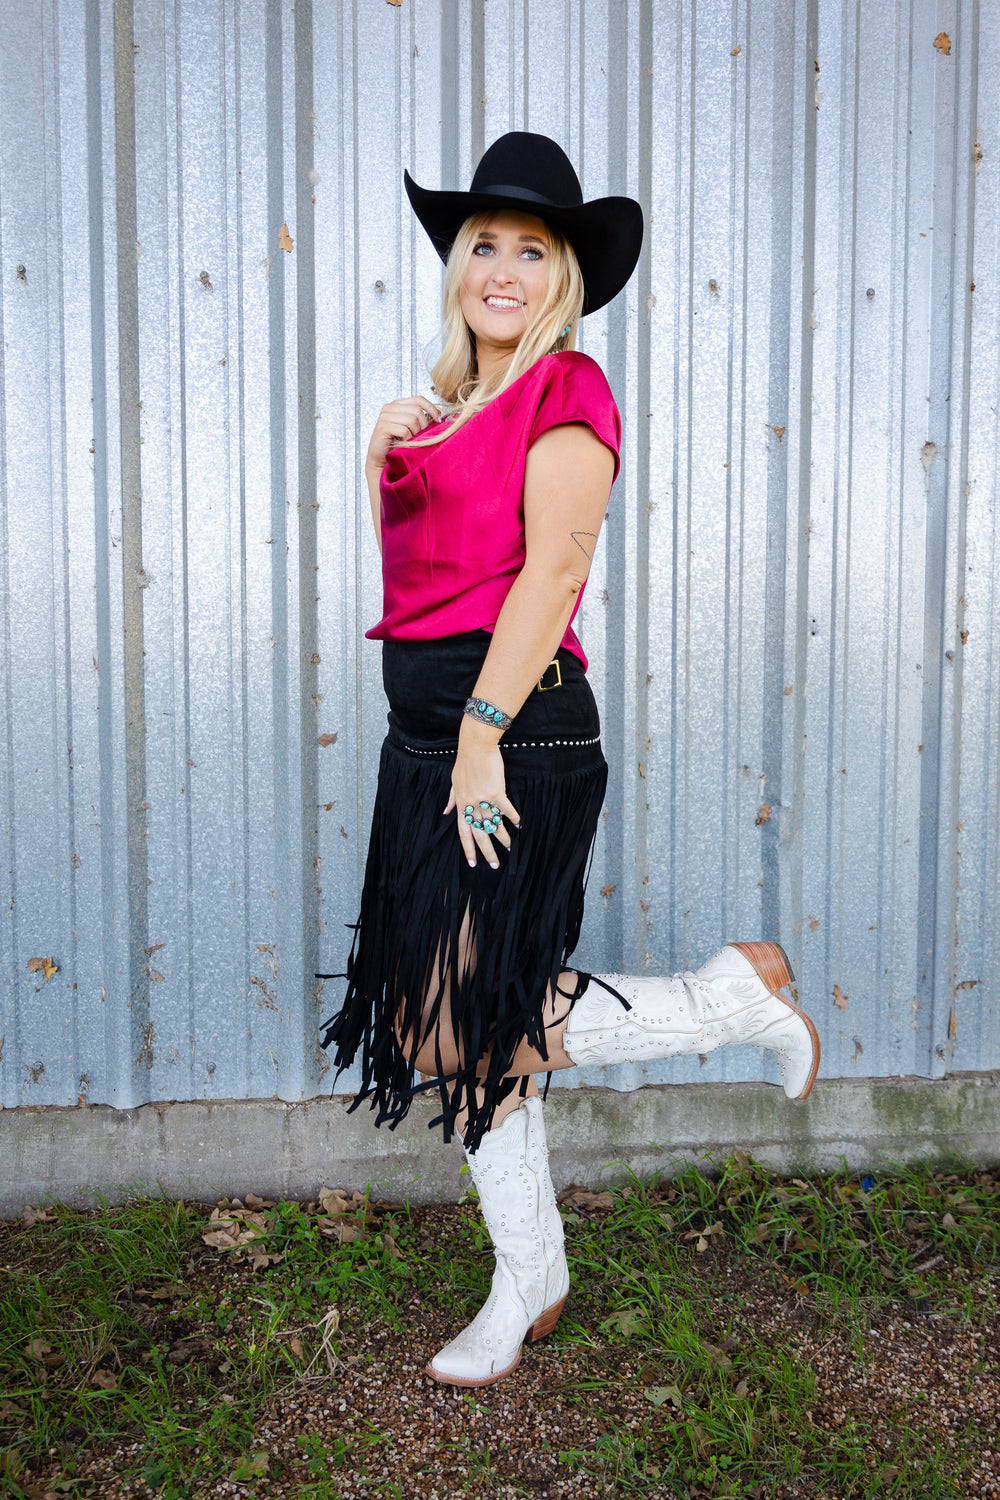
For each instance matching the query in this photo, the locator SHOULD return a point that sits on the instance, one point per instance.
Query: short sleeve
(574, 388)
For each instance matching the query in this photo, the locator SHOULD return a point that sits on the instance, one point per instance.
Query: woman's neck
(490, 362)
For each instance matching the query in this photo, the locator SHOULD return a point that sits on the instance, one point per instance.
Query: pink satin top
(453, 514)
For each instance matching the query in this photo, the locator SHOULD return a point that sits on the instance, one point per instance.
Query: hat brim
(606, 234)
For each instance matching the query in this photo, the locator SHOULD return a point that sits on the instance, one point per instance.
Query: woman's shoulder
(571, 376)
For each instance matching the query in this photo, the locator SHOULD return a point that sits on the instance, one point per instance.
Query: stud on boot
(531, 1279)
(731, 999)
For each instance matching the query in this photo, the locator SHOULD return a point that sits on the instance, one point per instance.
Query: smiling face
(505, 285)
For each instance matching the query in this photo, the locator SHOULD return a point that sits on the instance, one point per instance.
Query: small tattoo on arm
(588, 552)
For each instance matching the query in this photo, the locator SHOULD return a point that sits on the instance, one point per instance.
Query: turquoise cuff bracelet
(488, 713)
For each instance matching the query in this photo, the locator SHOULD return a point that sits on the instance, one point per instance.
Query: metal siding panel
(768, 616)
(976, 980)
(34, 497)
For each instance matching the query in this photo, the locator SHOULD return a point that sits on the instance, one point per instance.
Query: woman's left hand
(478, 776)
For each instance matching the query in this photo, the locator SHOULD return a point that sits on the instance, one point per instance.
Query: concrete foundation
(204, 1150)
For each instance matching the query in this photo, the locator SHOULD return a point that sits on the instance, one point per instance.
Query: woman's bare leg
(555, 1014)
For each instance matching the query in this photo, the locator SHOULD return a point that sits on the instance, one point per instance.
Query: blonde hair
(455, 375)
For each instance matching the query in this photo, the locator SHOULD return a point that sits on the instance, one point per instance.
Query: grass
(127, 1341)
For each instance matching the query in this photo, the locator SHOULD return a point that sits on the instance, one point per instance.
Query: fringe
(524, 919)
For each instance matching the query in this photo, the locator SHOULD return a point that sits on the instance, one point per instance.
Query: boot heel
(545, 1322)
(771, 962)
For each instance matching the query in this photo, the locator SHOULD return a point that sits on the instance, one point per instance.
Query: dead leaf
(335, 1201)
(238, 1232)
(104, 1380)
(161, 1293)
(626, 1320)
(37, 1349)
(327, 739)
(296, 1347)
(260, 1259)
(763, 813)
(741, 1390)
(943, 42)
(32, 1216)
(344, 1231)
(185, 1349)
(839, 998)
(43, 966)
(254, 1467)
(659, 1395)
(948, 1221)
(700, 1439)
(580, 1197)
(284, 239)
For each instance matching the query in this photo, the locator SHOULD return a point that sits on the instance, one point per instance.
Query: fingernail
(472, 862)
(494, 864)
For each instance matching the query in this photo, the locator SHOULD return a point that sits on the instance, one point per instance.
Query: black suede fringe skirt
(448, 952)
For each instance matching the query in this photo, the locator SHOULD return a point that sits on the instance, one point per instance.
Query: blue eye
(533, 252)
(483, 246)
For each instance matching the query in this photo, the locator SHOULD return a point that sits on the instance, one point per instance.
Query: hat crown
(522, 164)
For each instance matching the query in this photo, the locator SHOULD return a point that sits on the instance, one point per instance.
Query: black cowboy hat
(532, 174)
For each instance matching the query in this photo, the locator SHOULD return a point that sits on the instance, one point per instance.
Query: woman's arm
(567, 483)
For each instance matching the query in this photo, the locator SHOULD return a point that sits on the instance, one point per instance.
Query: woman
(492, 777)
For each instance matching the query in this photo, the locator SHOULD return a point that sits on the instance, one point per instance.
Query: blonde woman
(487, 504)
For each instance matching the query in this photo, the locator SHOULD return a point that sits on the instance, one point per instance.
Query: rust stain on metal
(607, 890)
(943, 42)
(268, 999)
(285, 240)
(839, 998)
(968, 984)
(327, 739)
(952, 1024)
(43, 966)
(763, 813)
(146, 1050)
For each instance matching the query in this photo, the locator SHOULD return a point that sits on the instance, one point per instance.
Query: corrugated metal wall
(794, 610)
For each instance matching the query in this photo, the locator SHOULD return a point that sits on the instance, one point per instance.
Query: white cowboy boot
(531, 1280)
(731, 999)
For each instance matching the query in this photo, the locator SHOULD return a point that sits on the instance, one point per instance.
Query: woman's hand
(398, 421)
(478, 776)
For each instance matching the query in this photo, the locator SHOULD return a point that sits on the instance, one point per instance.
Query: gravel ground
(915, 1369)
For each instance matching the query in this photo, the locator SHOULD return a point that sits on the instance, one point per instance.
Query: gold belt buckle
(558, 682)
